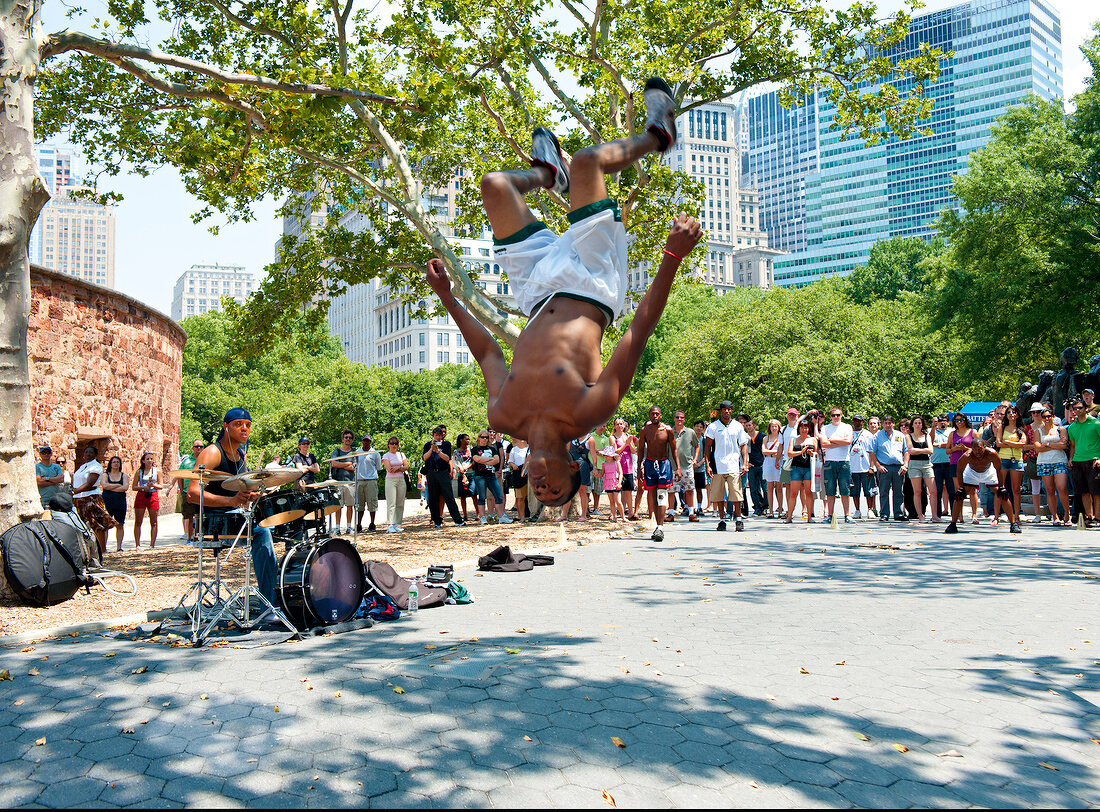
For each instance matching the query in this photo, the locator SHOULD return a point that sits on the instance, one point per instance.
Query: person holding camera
(437, 472)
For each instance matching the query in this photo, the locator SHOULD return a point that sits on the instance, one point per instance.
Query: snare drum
(220, 528)
(321, 583)
(276, 509)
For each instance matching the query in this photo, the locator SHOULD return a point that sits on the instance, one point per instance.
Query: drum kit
(320, 577)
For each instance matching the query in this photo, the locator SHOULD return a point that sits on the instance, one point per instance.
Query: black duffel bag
(45, 562)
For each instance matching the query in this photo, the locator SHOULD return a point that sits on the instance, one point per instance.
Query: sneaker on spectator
(721, 525)
(739, 526)
(504, 519)
(658, 535)
(857, 515)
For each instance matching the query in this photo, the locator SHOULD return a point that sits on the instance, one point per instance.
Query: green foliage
(811, 346)
(367, 110)
(895, 266)
(290, 392)
(1021, 278)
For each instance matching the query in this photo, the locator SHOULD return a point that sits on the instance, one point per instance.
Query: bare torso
(555, 363)
(658, 437)
(979, 459)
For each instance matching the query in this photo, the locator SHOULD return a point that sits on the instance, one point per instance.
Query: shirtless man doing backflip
(656, 459)
(981, 466)
(571, 287)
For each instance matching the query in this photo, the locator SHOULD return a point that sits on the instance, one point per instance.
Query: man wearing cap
(1088, 397)
(1084, 454)
(367, 467)
(343, 471)
(184, 506)
(227, 454)
(859, 463)
(48, 475)
(304, 460)
(729, 444)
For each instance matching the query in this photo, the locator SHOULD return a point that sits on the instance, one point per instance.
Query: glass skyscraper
(852, 193)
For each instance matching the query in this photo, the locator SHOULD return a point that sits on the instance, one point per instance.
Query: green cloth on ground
(459, 593)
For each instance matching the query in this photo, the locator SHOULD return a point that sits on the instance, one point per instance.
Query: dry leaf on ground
(862, 737)
(397, 689)
(618, 742)
(901, 748)
(608, 797)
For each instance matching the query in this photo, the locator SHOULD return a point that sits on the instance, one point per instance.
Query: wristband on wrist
(680, 259)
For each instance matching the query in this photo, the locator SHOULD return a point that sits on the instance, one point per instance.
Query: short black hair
(744, 417)
(566, 498)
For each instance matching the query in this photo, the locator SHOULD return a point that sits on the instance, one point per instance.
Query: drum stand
(201, 589)
(241, 599)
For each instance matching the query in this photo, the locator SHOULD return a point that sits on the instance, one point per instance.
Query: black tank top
(225, 466)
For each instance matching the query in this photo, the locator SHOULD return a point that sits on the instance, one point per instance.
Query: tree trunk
(22, 195)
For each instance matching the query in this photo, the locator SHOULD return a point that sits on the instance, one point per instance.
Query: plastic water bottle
(414, 597)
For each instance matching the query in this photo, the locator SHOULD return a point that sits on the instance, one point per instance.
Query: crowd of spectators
(885, 468)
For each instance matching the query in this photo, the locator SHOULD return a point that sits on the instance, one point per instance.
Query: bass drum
(321, 583)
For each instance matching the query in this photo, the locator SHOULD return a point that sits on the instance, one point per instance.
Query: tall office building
(200, 288)
(855, 193)
(782, 152)
(55, 169)
(73, 236)
(708, 148)
(77, 237)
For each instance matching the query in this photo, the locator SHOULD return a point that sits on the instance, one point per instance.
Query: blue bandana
(236, 414)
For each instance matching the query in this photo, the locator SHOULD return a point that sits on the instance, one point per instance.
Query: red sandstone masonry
(100, 359)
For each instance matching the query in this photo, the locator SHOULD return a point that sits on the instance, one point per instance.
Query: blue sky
(156, 240)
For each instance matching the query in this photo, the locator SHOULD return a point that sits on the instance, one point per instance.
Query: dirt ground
(162, 575)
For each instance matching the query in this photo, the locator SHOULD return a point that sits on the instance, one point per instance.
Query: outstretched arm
(481, 343)
(613, 382)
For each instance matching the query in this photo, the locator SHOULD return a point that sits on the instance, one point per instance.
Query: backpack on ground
(383, 579)
(45, 561)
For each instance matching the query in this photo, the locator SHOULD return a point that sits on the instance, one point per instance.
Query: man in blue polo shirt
(890, 461)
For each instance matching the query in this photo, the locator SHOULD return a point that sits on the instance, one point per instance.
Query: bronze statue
(1068, 382)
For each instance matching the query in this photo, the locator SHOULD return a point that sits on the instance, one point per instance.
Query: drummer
(227, 454)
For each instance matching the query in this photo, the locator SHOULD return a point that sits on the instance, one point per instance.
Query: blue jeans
(264, 562)
(483, 484)
(862, 482)
(756, 489)
(890, 487)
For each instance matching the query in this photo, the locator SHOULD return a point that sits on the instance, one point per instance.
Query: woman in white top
(396, 465)
(772, 448)
(517, 476)
(1052, 463)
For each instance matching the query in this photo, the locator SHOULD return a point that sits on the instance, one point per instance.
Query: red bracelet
(681, 259)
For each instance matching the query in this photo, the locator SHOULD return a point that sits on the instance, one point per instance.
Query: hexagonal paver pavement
(785, 666)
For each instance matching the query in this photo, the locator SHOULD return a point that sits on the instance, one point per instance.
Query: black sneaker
(721, 525)
(660, 109)
(951, 528)
(546, 151)
(901, 518)
(658, 535)
(1014, 528)
(884, 518)
(739, 526)
(371, 528)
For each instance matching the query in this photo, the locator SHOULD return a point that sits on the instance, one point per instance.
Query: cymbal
(342, 456)
(328, 483)
(201, 474)
(262, 479)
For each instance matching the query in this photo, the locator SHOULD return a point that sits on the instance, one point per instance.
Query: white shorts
(986, 477)
(587, 262)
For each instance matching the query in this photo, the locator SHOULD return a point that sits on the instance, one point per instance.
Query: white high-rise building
(77, 237)
(200, 289)
(72, 235)
(709, 148)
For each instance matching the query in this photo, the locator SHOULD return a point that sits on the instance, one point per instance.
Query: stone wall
(105, 369)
